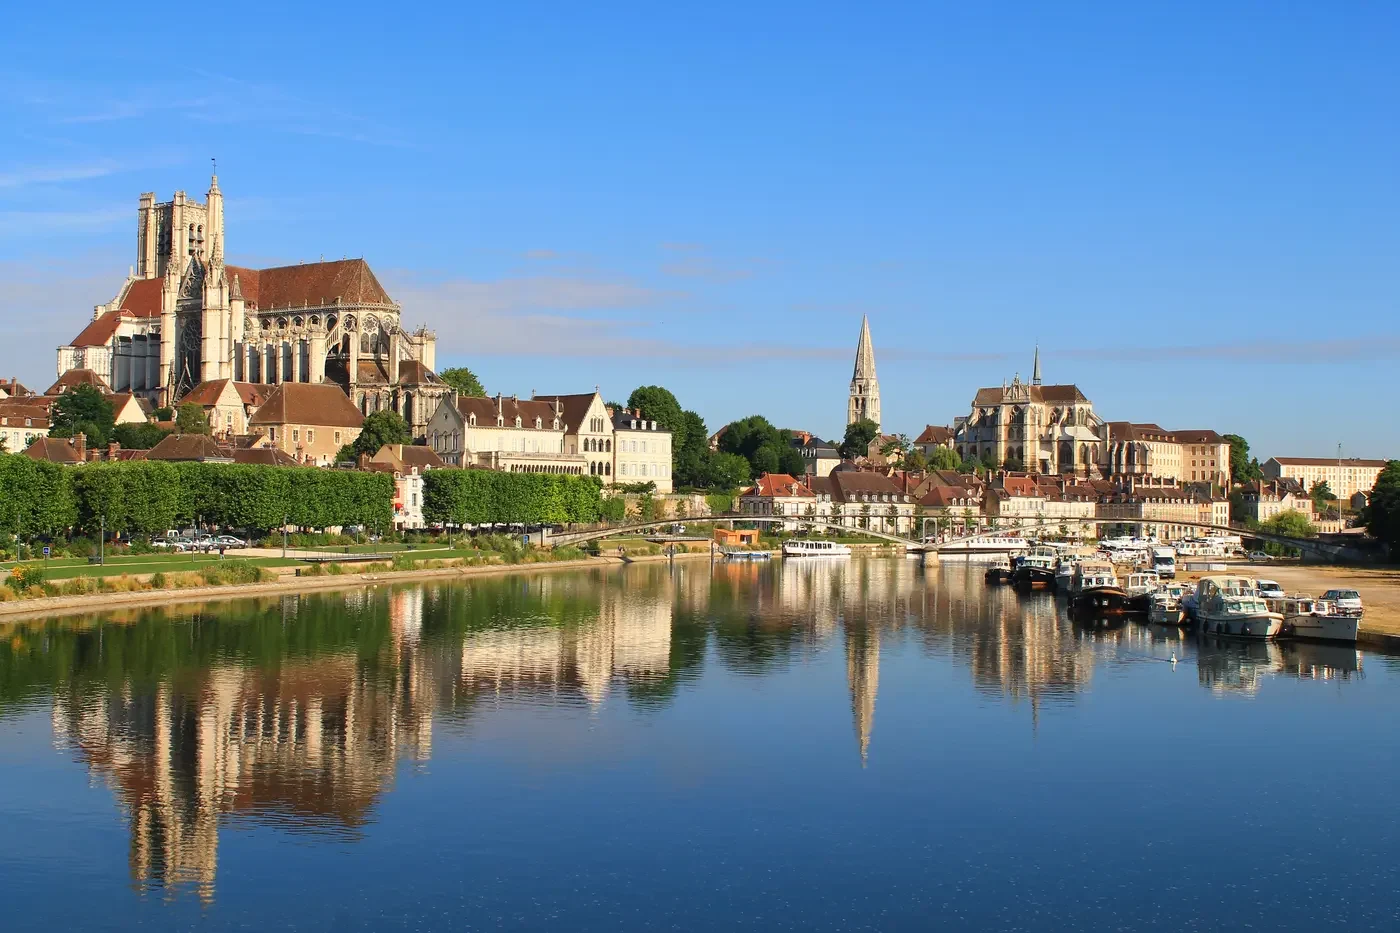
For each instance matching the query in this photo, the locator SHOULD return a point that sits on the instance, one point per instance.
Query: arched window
(607, 446)
(607, 469)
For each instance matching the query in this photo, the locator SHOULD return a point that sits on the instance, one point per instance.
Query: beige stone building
(1344, 477)
(643, 450)
(780, 495)
(1189, 456)
(1048, 428)
(588, 430)
(503, 433)
(228, 405)
(308, 422)
(184, 316)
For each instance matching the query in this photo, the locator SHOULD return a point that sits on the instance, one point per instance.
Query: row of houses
(950, 503)
(574, 434)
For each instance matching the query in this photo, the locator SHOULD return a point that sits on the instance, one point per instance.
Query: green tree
(943, 458)
(1291, 523)
(858, 437)
(164, 414)
(896, 448)
(693, 457)
(1321, 494)
(1013, 465)
(464, 381)
(659, 405)
(190, 419)
(765, 460)
(915, 460)
(141, 436)
(1242, 468)
(1382, 514)
(728, 471)
(82, 410)
(385, 426)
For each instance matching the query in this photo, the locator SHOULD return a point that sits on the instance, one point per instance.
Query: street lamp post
(101, 541)
(284, 535)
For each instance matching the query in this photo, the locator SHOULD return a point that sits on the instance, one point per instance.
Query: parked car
(1269, 589)
(1259, 555)
(168, 544)
(1344, 600)
(229, 541)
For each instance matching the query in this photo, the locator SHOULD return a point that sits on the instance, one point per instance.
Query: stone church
(183, 316)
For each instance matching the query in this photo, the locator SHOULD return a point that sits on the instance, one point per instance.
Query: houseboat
(803, 547)
(999, 571)
(1036, 569)
(1095, 591)
(1165, 609)
(1229, 606)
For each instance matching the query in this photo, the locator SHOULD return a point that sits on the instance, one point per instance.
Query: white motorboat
(803, 547)
(1229, 606)
(1064, 574)
(1320, 619)
(1140, 587)
(1165, 609)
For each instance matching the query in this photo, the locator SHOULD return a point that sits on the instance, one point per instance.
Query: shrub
(335, 570)
(158, 581)
(23, 577)
(233, 571)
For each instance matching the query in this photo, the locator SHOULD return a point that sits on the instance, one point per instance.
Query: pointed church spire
(865, 352)
(236, 291)
(864, 401)
(1035, 372)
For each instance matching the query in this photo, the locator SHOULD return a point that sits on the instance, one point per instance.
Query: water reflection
(299, 711)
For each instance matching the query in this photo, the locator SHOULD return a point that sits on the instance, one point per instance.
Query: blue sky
(1191, 208)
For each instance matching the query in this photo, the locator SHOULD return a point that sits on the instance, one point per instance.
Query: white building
(1344, 477)
(643, 450)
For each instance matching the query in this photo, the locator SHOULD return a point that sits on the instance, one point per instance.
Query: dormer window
(500, 422)
(539, 423)
(634, 424)
(517, 421)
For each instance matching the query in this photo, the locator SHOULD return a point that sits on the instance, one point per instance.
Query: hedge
(477, 497)
(149, 496)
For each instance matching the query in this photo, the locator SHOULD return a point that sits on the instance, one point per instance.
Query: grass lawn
(66, 568)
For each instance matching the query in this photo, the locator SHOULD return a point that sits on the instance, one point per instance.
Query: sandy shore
(1379, 588)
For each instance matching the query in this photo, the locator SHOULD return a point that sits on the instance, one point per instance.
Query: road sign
(46, 550)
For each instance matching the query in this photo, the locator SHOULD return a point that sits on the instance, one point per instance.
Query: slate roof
(575, 407)
(52, 449)
(510, 407)
(188, 447)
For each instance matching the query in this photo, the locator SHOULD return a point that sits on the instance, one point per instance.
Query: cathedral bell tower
(864, 402)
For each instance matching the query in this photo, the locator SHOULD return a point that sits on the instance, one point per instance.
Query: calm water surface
(802, 746)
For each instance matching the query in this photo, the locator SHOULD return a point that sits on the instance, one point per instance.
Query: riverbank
(19, 610)
(1379, 588)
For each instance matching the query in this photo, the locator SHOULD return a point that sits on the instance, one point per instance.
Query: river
(868, 745)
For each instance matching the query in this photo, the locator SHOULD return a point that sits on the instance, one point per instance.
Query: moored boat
(804, 547)
(1036, 570)
(1140, 587)
(989, 545)
(1316, 619)
(1229, 606)
(1165, 609)
(1096, 591)
(999, 571)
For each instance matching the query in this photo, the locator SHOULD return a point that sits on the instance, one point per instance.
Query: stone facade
(1344, 477)
(184, 316)
(643, 451)
(864, 400)
(1048, 428)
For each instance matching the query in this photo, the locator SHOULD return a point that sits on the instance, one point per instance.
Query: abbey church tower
(865, 388)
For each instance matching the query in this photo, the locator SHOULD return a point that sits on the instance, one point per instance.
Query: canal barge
(1036, 570)
(803, 547)
(1096, 591)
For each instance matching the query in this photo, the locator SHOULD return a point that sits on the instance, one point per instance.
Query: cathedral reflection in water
(298, 712)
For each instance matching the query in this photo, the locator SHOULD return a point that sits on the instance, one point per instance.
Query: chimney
(112, 448)
(80, 446)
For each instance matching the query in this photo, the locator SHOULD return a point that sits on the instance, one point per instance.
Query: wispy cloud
(1272, 352)
(53, 174)
(29, 223)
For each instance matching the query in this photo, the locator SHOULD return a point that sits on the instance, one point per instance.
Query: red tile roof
(313, 284)
(99, 332)
(302, 403)
(77, 377)
(52, 449)
(934, 434)
(780, 486)
(142, 298)
(485, 410)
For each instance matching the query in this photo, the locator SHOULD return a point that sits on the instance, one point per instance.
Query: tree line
(478, 497)
(148, 497)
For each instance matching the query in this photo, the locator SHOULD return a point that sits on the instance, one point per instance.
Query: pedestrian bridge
(1312, 547)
